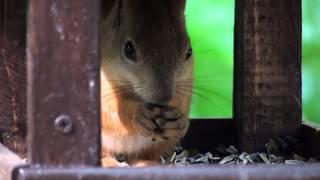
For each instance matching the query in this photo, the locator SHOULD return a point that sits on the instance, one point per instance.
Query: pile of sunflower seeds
(276, 151)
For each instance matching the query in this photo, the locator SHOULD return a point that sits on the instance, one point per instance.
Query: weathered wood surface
(63, 82)
(13, 75)
(267, 70)
(279, 172)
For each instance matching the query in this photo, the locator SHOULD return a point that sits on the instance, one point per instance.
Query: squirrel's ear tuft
(179, 5)
(182, 3)
(106, 7)
(112, 5)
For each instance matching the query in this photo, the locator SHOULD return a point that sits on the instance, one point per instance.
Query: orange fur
(122, 126)
(162, 62)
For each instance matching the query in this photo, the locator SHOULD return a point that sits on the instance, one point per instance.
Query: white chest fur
(129, 144)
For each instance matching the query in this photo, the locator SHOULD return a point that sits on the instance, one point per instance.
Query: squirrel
(146, 80)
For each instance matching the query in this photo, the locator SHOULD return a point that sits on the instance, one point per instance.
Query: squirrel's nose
(161, 99)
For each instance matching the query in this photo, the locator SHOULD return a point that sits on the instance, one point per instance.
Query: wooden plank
(63, 82)
(205, 134)
(188, 173)
(267, 70)
(13, 75)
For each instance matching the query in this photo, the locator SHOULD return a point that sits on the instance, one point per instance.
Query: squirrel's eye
(130, 51)
(189, 53)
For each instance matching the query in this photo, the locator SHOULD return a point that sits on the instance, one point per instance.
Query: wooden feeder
(62, 100)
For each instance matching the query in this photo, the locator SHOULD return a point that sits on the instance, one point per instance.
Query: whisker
(208, 100)
(124, 81)
(216, 94)
(117, 90)
(209, 76)
(193, 92)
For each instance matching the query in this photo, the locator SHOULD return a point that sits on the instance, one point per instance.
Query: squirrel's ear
(106, 7)
(179, 5)
(183, 4)
(109, 5)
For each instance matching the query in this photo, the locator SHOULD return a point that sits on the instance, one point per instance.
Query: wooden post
(267, 70)
(63, 82)
(13, 75)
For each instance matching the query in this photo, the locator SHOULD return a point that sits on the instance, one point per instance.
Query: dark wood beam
(63, 82)
(13, 75)
(267, 70)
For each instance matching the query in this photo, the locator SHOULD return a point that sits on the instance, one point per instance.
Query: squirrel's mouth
(157, 92)
(156, 98)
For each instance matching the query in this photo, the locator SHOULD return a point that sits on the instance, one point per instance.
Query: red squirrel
(146, 79)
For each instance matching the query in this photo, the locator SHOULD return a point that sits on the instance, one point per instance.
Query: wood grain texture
(63, 82)
(267, 70)
(13, 75)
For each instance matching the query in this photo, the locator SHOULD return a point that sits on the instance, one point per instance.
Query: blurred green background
(311, 60)
(210, 24)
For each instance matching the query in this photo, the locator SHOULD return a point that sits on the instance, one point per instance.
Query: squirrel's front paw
(171, 124)
(164, 121)
(146, 120)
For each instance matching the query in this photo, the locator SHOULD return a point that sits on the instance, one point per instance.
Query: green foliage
(311, 60)
(210, 25)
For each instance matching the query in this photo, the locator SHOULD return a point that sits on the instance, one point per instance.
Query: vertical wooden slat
(267, 70)
(13, 75)
(63, 82)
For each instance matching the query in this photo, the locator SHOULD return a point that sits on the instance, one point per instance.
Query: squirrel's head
(146, 48)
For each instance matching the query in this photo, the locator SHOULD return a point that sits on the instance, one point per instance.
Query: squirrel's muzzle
(161, 91)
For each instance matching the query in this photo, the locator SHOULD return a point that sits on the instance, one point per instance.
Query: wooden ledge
(308, 171)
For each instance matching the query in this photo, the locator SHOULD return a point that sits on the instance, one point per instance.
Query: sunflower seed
(264, 158)
(209, 155)
(227, 159)
(254, 157)
(243, 156)
(231, 163)
(203, 159)
(297, 157)
(245, 161)
(248, 157)
(182, 161)
(272, 147)
(232, 150)
(182, 164)
(215, 158)
(173, 157)
(163, 160)
(273, 158)
(179, 149)
(293, 162)
(183, 154)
